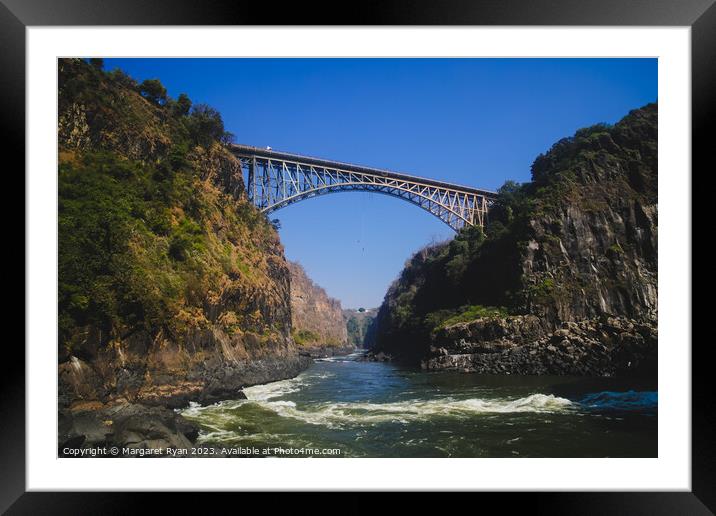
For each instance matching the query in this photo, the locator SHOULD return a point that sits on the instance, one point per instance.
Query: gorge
(181, 321)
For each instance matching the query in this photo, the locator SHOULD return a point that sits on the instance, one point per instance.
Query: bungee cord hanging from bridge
(276, 179)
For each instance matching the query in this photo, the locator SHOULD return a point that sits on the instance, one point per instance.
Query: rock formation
(173, 287)
(359, 323)
(564, 278)
(317, 320)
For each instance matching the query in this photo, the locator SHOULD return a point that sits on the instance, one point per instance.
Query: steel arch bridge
(276, 179)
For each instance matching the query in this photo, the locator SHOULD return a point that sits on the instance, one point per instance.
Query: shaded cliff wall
(317, 319)
(578, 242)
(359, 323)
(591, 244)
(172, 286)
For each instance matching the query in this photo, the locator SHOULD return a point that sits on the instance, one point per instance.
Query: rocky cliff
(317, 320)
(359, 323)
(172, 287)
(569, 258)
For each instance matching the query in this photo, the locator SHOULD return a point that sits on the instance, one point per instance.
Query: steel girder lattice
(277, 179)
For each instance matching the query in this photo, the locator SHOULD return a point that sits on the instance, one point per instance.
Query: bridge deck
(247, 150)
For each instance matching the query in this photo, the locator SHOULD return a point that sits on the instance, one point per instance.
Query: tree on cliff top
(154, 91)
(205, 125)
(182, 105)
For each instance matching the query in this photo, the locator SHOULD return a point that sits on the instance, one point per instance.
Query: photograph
(411, 248)
(483, 283)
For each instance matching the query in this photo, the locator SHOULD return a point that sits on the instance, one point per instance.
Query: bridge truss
(277, 179)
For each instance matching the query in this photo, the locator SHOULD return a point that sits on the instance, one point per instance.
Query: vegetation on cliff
(316, 319)
(360, 327)
(163, 262)
(578, 241)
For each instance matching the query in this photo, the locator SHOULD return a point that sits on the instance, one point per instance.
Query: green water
(369, 409)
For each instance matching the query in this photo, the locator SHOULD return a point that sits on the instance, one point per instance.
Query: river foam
(356, 413)
(342, 414)
(275, 389)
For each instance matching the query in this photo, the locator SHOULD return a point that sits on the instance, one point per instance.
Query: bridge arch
(450, 217)
(278, 179)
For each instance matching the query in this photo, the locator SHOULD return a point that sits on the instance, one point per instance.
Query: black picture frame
(17, 15)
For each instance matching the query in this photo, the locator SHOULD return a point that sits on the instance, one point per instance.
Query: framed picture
(194, 295)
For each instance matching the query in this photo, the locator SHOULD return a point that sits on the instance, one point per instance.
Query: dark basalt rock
(125, 426)
(610, 346)
(207, 383)
(376, 357)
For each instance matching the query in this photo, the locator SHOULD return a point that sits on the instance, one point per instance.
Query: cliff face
(172, 286)
(576, 245)
(359, 324)
(317, 320)
(593, 249)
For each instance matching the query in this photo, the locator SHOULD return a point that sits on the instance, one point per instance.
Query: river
(351, 408)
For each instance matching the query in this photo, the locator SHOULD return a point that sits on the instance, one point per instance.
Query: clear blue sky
(471, 121)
